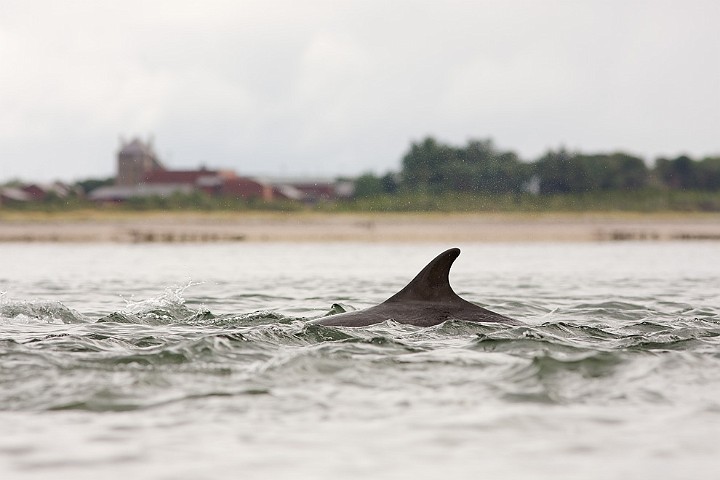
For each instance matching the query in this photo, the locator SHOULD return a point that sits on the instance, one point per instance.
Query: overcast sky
(298, 87)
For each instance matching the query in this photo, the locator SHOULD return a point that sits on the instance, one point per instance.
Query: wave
(24, 312)
(162, 350)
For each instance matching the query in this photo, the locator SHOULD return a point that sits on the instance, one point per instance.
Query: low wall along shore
(317, 227)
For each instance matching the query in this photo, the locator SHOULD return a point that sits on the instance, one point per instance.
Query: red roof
(177, 176)
(246, 188)
(35, 191)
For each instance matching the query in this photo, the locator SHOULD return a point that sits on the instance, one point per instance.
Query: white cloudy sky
(303, 87)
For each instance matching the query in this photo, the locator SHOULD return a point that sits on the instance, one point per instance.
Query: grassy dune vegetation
(635, 201)
(641, 201)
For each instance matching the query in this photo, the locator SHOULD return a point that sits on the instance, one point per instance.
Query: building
(13, 195)
(213, 182)
(310, 190)
(36, 192)
(243, 187)
(141, 174)
(121, 193)
(203, 179)
(39, 192)
(134, 161)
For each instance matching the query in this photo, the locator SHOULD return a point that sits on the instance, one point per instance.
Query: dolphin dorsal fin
(432, 283)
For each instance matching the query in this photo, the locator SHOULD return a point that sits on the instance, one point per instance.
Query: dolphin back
(427, 300)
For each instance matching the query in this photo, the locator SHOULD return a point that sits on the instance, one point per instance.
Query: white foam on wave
(37, 312)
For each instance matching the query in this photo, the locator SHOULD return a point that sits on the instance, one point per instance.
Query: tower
(135, 160)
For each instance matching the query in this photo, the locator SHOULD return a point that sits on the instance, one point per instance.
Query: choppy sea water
(198, 362)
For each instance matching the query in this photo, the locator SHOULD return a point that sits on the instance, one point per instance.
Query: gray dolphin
(427, 300)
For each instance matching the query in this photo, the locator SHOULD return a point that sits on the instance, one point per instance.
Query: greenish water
(198, 361)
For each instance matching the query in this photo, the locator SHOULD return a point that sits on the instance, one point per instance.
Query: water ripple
(153, 354)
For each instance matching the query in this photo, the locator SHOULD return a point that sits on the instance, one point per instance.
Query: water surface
(198, 361)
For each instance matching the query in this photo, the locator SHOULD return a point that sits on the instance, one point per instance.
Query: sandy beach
(125, 227)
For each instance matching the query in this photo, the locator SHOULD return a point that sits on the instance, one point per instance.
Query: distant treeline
(431, 168)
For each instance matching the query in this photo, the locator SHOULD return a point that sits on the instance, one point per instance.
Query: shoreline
(186, 227)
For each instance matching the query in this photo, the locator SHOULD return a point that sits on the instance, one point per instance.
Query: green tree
(389, 183)
(629, 172)
(708, 173)
(557, 170)
(91, 184)
(685, 173)
(368, 185)
(677, 173)
(425, 166)
(615, 171)
(565, 172)
(478, 167)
